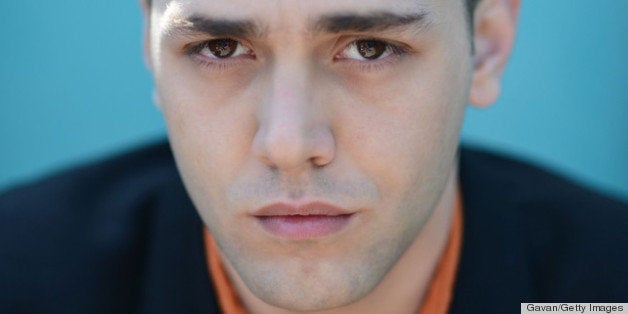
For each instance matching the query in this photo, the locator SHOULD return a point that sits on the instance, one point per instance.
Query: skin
(298, 118)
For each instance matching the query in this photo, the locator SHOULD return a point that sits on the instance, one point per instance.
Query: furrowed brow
(215, 27)
(377, 21)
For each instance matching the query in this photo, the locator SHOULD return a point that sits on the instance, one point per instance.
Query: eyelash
(397, 51)
(194, 51)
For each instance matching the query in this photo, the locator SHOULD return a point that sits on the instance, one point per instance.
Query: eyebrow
(375, 21)
(333, 23)
(215, 27)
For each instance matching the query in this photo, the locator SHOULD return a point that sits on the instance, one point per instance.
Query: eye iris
(222, 48)
(371, 49)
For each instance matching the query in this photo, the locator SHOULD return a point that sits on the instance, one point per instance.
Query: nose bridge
(289, 77)
(289, 96)
(288, 135)
(286, 115)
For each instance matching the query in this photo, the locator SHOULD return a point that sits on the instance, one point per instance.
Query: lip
(305, 221)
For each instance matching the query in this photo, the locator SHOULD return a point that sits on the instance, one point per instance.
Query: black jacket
(121, 236)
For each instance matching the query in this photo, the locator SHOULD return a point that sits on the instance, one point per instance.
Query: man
(318, 143)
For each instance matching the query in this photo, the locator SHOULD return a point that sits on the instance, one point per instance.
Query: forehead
(293, 14)
(244, 6)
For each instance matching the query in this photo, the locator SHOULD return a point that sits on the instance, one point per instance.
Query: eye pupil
(371, 49)
(222, 48)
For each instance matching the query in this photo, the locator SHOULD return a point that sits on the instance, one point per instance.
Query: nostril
(322, 154)
(320, 162)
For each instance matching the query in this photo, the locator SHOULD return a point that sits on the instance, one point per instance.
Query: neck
(404, 288)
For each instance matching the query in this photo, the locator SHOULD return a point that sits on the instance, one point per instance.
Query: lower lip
(298, 227)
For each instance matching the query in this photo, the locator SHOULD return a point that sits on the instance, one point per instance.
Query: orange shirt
(438, 295)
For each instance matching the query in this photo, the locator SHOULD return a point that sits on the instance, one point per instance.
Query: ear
(494, 26)
(145, 7)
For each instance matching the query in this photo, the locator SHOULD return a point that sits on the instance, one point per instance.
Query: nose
(294, 132)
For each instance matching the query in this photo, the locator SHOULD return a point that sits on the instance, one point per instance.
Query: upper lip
(306, 209)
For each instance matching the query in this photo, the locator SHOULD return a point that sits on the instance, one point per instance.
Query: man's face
(314, 137)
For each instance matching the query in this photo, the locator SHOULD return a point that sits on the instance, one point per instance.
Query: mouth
(300, 222)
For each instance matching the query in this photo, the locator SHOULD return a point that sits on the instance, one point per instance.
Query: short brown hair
(470, 4)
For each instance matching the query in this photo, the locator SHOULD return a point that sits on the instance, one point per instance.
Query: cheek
(208, 141)
(210, 129)
(406, 130)
(409, 152)
(211, 115)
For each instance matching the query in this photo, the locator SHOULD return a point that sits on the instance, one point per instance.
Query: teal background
(73, 88)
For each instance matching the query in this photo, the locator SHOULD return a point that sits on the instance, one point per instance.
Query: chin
(316, 284)
(316, 293)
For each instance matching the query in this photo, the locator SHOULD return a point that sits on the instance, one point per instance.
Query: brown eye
(222, 48)
(371, 49)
